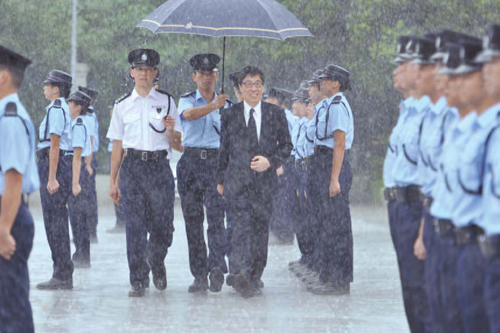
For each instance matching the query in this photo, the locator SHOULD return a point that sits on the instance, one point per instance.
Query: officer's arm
(55, 141)
(199, 111)
(77, 164)
(338, 154)
(284, 145)
(88, 159)
(11, 200)
(175, 140)
(116, 160)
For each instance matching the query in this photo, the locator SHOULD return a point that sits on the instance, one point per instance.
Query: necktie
(252, 127)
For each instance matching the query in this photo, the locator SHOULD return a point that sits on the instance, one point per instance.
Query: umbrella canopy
(224, 18)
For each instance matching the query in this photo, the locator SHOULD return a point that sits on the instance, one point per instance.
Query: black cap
(90, 92)
(409, 51)
(401, 55)
(444, 37)
(81, 98)
(451, 59)
(235, 78)
(315, 77)
(424, 49)
(491, 44)
(301, 95)
(143, 57)
(59, 77)
(280, 93)
(468, 53)
(205, 62)
(13, 60)
(332, 71)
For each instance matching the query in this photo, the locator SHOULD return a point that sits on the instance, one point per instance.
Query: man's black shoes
(160, 277)
(138, 289)
(216, 278)
(199, 285)
(56, 284)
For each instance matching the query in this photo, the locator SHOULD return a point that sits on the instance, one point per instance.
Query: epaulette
(57, 103)
(121, 99)
(189, 94)
(79, 121)
(11, 109)
(164, 92)
(337, 100)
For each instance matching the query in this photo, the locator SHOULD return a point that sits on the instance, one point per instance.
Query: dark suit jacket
(237, 151)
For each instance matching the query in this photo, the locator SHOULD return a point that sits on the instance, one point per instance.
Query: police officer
(145, 127)
(334, 135)
(18, 176)
(78, 204)
(55, 176)
(467, 197)
(93, 124)
(120, 219)
(196, 172)
(488, 221)
(285, 201)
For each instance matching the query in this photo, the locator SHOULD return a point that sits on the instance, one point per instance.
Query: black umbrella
(225, 18)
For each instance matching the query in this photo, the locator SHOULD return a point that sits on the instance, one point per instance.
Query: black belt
(389, 194)
(467, 234)
(202, 153)
(443, 227)
(146, 156)
(489, 245)
(407, 194)
(323, 150)
(45, 152)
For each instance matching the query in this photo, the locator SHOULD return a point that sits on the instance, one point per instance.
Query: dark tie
(252, 128)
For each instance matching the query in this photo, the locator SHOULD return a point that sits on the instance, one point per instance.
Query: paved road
(99, 301)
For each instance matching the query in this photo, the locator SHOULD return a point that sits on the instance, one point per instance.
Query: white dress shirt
(257, 116)
(132, 116)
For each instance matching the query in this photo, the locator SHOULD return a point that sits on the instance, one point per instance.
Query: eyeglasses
(252, 84)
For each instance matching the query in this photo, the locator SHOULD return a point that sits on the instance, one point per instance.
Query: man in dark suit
(255, 141)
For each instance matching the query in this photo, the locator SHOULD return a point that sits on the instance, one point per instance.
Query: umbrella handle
(223, 63)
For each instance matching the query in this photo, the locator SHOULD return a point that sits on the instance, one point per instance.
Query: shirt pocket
(158, 124)
(470, 169)
(132, 126)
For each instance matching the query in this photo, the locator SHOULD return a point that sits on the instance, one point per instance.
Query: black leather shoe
(56, 284)
(216, 278)
(138, 290)
(160, 277)
(230, 280)
(199, 285)
(242, 286)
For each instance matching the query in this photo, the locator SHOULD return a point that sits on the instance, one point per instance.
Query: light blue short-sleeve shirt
(17, 144)
(298, 131)
(96, 129)
(81, 136)
(57, 121)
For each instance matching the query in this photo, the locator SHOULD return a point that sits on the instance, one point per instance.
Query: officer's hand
(169, 123)
(334, 188)
(77, 189)
(220, 101)
(279, 171)
(260, 164)
(90, 170)
(220, 189)
(114, 193)
(419, 248)
(7, 245)
(53, 186)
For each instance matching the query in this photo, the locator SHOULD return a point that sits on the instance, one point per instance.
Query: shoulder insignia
(192, 93)
(164, 92)
(57, 103)
(11, 109)
(79, 121)
(124, 97)
(337, 100)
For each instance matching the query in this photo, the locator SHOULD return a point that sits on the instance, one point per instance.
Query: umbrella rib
(222, 29)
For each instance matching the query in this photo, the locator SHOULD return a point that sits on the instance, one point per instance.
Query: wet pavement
(99, 301)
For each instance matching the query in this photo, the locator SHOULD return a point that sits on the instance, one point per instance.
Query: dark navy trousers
(92, 203)
(336, 242)
(80, 216)
(313, 193)
(285, 204)
(15, 309)
(55, 216)
(147, 196)
(197, 185)
(305, 228)
(471, 275)
(408, 216)
(492, 293)
(431, 274)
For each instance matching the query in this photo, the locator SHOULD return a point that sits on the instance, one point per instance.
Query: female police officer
(55, 174)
